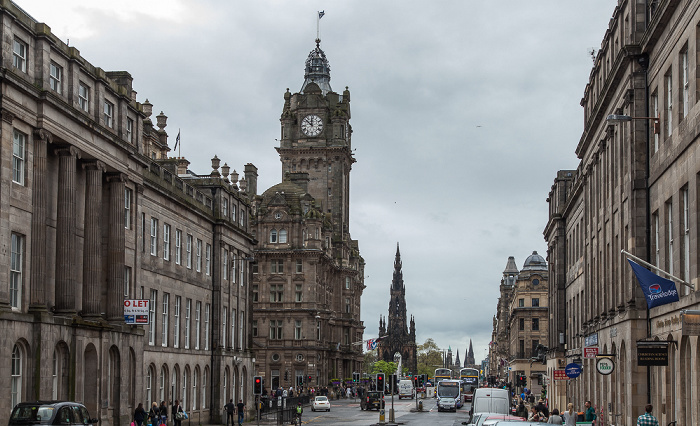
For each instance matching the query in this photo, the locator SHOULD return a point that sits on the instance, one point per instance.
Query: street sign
(590, 352)
(560, 375)
(137, 311)
(573, 370)
(605, 365)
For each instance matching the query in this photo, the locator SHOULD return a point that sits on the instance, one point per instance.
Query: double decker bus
(442, 374)
(470, 381)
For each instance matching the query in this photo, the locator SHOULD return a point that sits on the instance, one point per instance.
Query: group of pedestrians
(231, 409)
(158, 414)
(540, 413)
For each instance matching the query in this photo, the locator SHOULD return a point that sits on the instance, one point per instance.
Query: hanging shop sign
(592, 340)
(560, 375)
(590, 352)
(573, 370)
(653, 354)
(690, 323)
(605, 365)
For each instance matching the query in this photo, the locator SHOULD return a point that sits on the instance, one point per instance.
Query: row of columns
(67, 294)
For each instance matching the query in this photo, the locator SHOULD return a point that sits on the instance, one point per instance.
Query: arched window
(161, 387)
(16, 381)
(194, 389)
(54, 376)
(273, 236)
(184, 388)
(149, 384)
(283, 235)
(204, 388)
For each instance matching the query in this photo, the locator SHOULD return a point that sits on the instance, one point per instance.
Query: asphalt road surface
(348, 412)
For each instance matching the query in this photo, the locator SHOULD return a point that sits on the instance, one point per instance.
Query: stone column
(116, 252)
(66, 291)
(37, 283)
(92, 252)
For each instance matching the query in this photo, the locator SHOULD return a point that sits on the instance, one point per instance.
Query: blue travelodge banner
(657, 290)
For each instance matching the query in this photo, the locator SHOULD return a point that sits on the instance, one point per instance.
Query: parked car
(405, 389)
(485, 419)
(373, 399)
(321, 403)
(51, 413)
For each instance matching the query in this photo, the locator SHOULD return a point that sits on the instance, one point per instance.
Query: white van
(490, 400)
(405, 388)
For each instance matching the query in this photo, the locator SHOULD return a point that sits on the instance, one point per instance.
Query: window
(241, 219)
(55, 77)
(521, 303)
(127, 208)
(347, 305)
(178, 246)
(669, 247)
(165, 314)
(656, 249)
(233, 327)
(318, 330)
(273, 236)
(255, 292)
(233, 213)
(686, 235)
(19, 56)
(16, 281)
(255, 328)
(283, 235)
(199, 255)
(275, 329)
(176, 322)
(18, 156)
(223, 328)
(276, 266)
(197, 320)
(204, 388)
(655, 108)
(299, 266)
(184, 389)
(669, 104)
(206, 327)
(535, 324)
(154, 236)
(346, 336)
(521, 347)
(16, 376)
(234, 262)
(188, 313)
(224, 207)
(521, 325)
(152, 312)
(276, 292)
(83, 96)
(130, 130)
(241, 329)
(347, 283)
(194, 389)
(224, 264)
(535, 302)
(684, 81)
(298, 293)
(127, 281)
(207, 259)
(166, 242)
(109, 114)
(188, 249)
(143, 232)
(297, 329)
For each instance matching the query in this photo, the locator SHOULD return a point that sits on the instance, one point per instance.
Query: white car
(321, 403)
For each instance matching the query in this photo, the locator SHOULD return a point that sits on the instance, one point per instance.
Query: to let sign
(590, 352)
(560, 375)
(137, 311)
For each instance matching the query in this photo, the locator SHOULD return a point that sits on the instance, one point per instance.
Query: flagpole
(649, 265)
(179, 145)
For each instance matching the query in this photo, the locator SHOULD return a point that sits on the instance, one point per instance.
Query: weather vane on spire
(318, 26)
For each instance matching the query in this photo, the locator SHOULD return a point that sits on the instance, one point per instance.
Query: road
(347, 412)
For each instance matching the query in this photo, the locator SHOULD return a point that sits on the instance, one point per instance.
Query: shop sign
(137, 312)
(652, 355)
(592, 340)
(590, 352)
(573, 370)
(605, 365)
(690, 324)
(560, 375)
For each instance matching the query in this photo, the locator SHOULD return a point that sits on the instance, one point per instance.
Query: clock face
(312, 125)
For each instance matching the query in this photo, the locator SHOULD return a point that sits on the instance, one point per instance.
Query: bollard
(420, 405)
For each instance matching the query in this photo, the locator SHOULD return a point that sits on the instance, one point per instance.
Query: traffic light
(380, 382)
(308, 380)
(415, 381)
(421, 380)
(355, 377)
(257, 385)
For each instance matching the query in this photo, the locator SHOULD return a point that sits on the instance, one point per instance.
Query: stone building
(635, 189)
(309, 276)
(400, 333)
(93, 213)
(499, 347)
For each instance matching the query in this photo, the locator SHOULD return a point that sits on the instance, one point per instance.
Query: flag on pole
(657, 290)
(320, 14)
(177, 139)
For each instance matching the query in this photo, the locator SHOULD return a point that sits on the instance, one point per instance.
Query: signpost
(137, 312)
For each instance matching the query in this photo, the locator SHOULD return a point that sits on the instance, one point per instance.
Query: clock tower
(316, 139)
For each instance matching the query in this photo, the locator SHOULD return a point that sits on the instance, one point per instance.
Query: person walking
(555, 418)
(521, 411)
(177, 413)
(570, 415)
(154, 414)
(163, 413)
(230, 409)
(535, 416)
(139, 415)
(241, 412)
(590, 413)
(647, 419)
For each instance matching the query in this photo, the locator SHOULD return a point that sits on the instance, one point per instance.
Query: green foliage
(429, 355)
(384, 367)
(370, 359)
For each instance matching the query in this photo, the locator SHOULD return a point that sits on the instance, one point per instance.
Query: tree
(429, 355)
(370, 359)
(384, 367)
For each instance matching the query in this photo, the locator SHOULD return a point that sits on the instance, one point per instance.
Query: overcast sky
(462, 113)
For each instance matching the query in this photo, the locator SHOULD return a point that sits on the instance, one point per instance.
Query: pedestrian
(163, 413)
(590, 413)
(139, 415)
(241, 412)
(570, 415)
(154, 414)
(521, 411)
(230, 409)
(177, 413)
(535, 416)
(647, 419)
(542, 408)
(555, 418)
